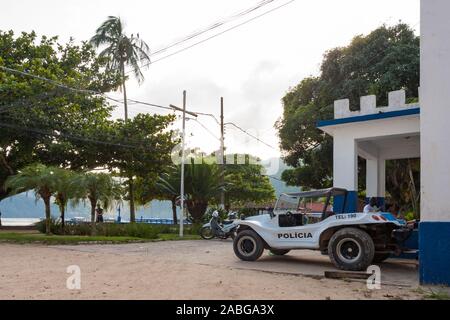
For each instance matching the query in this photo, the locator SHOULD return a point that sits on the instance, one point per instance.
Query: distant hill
(24, 205)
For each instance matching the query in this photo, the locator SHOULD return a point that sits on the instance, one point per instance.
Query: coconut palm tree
(41, 179)
(96, 188)
(203, 184)
(121, 51)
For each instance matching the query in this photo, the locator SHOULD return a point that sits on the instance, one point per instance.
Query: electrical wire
(216, 35)
(213, 26)
(249, 134)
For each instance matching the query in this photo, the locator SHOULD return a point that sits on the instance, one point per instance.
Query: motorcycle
(215, 229)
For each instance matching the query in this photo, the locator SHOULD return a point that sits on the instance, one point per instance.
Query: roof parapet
(368, 105)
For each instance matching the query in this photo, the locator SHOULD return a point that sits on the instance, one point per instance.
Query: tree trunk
(174, 210)
(125, 101)
(62, 209)
(93, 204)
(47, 215)
(131, 196)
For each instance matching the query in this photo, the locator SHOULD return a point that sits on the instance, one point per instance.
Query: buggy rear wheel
(248, 245)
(351, 249)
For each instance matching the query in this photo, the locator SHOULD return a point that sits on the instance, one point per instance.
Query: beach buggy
(317, 220)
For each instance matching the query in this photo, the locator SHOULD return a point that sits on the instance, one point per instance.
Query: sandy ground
(183, 270)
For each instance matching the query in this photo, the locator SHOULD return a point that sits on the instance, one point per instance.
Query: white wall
(435, 110)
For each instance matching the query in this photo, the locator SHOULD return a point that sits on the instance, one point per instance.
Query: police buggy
(317, 220)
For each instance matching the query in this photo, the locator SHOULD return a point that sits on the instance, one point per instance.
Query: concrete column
(345, 170)
(434, 231)
(376, 180)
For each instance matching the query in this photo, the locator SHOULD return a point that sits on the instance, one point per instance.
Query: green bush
(138, 230)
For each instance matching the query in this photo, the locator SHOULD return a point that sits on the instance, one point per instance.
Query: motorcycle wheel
(206, 233)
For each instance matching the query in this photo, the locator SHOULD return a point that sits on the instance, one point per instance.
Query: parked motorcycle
(215, 229)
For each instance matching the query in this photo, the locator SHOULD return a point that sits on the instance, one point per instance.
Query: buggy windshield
(318, 202)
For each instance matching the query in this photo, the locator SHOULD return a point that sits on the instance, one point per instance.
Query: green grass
(429, 293)
(24, 238)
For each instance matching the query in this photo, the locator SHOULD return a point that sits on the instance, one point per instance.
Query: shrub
(138, 230)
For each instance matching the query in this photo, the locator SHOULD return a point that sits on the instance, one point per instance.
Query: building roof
(369, 117)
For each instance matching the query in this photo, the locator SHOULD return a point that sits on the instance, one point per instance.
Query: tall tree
(387, 59)
(42, 122)
(40, 178)
(121, 51)
(149, 153)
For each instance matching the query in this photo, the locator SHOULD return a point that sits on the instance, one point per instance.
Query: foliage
(40, 178)
(41, 121)
(385, 60)
(97, 188)
(121, 50)
(246, 183)
(136, 230)
(203, 184)
(152, 144)
(65, 191)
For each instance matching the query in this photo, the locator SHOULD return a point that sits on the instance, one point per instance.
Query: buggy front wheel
(248, 245)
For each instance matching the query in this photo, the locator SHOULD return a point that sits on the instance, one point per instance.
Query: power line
(56, 83)
(65, 135)
(213, 26)
(63, 86)
(218, 34)
(204, 127)
(249, 134)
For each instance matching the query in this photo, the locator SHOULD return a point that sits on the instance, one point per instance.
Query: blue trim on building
(434, 253)
(351, 203)
(368, 117)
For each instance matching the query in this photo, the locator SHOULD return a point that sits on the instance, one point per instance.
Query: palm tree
(203, 184)
(65, 191)
(41, 179)
(121, 51)
(96, 188)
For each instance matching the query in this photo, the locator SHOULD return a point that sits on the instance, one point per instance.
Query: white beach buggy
(307, 220)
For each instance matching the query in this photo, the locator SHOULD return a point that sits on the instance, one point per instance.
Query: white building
(400, 131)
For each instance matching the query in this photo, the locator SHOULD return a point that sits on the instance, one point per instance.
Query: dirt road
(183, 270)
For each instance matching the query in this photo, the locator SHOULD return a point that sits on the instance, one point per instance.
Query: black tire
(351, 249)
(380, 257)
(248, 245)
(279, 252)
(206, 233)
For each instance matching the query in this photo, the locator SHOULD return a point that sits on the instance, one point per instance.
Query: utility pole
(222, 154)
(182, 165)
(183, 136)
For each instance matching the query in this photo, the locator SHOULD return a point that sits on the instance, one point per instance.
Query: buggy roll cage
(328, 193)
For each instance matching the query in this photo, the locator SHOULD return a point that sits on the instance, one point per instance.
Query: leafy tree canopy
(42, 122)
(385, 60)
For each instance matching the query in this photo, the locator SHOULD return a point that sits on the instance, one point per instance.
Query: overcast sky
(251, 66)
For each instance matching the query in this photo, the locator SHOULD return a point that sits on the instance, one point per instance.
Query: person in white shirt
(371, 206)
